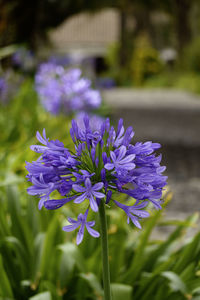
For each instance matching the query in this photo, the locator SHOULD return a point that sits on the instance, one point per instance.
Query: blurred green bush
(191, 56)
(144, 64)
(145, 61)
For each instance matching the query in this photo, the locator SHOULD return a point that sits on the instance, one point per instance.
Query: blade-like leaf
(5, 287)
(121, 291)
(175, 282)
(42, 296)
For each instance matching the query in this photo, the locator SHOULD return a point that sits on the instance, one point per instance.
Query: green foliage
(145, 61)
(37, 262)
(112, 60)
(181, 81)
(191, 56)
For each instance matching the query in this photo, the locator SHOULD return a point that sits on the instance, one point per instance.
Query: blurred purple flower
(65, 91)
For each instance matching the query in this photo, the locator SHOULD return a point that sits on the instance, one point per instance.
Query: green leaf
(71, 257)
(5, 287)
(175, 282)
(121, 291)
(13, 246)
(116, 241)
(189, 254)
(52, 238)
(92, 280)
(138, 261)
(42, 296)
(8, 50)
(4, 226)
(19, 226)
(188, 272)
(147, 286)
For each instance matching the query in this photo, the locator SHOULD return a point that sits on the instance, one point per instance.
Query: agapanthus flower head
(65, 90)
(104, 162)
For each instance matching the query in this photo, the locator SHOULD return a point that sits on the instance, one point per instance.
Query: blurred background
(144, 58)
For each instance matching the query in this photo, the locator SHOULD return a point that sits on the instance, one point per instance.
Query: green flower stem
(104, 245)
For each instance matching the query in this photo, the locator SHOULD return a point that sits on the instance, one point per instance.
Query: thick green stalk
(104, 245)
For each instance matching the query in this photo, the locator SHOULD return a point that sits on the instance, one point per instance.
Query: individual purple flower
(89, 192)
(62, 90)
(104, 163)
(134, 212)
(82, 223)
(41, 188)
(120, 161)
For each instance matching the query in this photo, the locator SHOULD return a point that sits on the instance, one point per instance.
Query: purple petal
(128, 167)
(91, 223)
(54, 204)
(108, 196)
(41, 203)
(113, 156)
(120, 129)
(78, 188)
(80, 235)
(109, 166)
(98, 186)
(135, 221)
(93, 204)
(92, 232)
(38, 149)
(156, 204)
(88, 183)
(122, 152)
(40, 138)
(80, 198)
(72, 221)
(127, 159)
(141, 213)
(98, 194)
(69, 228)
(104, 157)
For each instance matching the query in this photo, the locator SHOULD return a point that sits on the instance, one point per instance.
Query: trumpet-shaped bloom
(89, 192)
(82, 223)
(120, 161)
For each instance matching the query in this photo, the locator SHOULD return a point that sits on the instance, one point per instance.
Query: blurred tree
(28, 21)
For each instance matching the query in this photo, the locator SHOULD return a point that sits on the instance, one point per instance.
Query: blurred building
(87, 33)
(85, 38)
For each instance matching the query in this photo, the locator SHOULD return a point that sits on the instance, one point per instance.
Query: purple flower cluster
(62, 90)
(103, 164)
